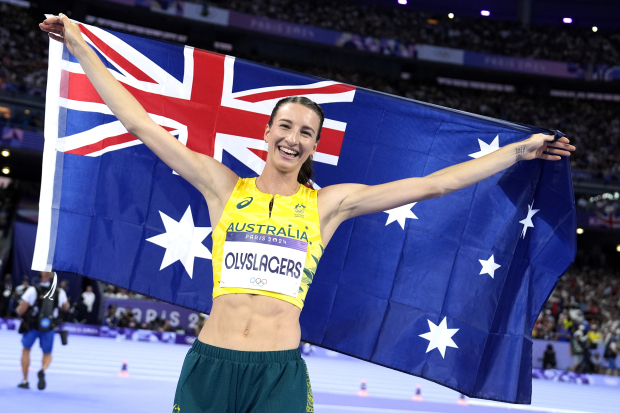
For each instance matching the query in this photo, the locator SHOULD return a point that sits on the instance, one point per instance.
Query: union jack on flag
(607, 220)
(447, 289)
(195, 98)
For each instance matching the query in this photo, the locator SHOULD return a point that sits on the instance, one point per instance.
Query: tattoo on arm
(520, 150)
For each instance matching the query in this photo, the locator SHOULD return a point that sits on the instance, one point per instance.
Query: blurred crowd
(126, 318)
(584, 309)
(13, 116)
(566, 43)
(23, 51)
(8, 205)
(111, 291)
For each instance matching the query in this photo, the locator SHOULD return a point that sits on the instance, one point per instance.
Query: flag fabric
(610, 220)
(447, 289)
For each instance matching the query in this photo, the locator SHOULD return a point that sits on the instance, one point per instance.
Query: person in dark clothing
(39, 314)
(549, 361)
(110, 319)
(128, 319)
(5, 295)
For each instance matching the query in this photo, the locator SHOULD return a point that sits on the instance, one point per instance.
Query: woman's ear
(266, 134)
(316, 144)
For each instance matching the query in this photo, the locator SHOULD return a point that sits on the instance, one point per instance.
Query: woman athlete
(246, 357)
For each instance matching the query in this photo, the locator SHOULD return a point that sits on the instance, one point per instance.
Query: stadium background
(548, 63)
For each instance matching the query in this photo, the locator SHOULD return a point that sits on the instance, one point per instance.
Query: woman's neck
(274, 182)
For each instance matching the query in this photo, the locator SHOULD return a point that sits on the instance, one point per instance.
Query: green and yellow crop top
(267, 250)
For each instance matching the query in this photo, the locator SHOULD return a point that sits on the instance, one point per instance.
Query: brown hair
(306, 173)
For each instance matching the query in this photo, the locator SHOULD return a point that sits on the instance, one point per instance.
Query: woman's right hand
(63, 30)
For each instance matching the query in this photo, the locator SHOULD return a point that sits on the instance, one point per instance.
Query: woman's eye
(284, 126)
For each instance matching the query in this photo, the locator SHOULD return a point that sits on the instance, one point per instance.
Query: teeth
(288, 151)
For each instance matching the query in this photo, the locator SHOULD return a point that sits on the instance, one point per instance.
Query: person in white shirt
(41, 322)
(88, 298)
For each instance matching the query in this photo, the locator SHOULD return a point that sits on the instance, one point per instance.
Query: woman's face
(292, 136)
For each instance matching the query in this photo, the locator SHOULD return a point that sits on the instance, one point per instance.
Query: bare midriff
(249, 322)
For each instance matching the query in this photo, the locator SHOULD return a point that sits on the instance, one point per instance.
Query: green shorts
(219, 380)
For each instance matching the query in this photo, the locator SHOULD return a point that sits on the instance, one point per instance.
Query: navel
(246, 332)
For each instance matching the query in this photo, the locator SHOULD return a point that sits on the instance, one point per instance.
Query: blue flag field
(447, 289)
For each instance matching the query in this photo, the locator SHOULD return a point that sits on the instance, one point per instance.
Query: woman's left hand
(542, 146)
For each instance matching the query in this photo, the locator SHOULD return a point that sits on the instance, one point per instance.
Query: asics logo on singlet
(258, 282)
(247, 201)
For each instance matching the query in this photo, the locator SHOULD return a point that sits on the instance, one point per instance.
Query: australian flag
(447, 289)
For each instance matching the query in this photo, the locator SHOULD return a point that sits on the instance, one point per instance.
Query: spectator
(610, 354)
(5, 296)
(128, 319)
(594, 336)
(159, 324)
(201, 322)
(122, 293)
(596, 364)
(577, 348)
(110, 319)
(78, 313)
(549, 361)
(88, 298)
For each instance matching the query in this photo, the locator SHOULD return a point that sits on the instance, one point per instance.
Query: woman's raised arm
(340, 202)
(214, 180)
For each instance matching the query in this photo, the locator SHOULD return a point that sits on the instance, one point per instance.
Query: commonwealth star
(182, 241)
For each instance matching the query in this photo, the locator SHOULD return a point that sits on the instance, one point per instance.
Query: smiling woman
(309, 130)
(269, 235)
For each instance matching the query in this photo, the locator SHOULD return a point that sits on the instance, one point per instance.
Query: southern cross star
(486, 148)
(439, 337)
(182, 241)
(400, 214)
(489, 266)
(527, 222)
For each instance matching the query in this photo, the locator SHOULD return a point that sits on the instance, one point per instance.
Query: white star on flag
(400, 214)
(439, 337)
(527, 222)
(489, 266)
(485, 148)
(182, 241)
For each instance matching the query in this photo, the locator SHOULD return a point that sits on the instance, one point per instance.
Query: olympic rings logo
(258, 282)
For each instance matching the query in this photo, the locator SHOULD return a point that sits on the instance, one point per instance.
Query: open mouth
(287, 152)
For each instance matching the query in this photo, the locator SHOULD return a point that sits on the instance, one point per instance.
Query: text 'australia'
(268, 229)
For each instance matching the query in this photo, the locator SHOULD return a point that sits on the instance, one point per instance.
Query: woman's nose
(293, 137)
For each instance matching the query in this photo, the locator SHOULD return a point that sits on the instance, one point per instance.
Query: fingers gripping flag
(447, 289)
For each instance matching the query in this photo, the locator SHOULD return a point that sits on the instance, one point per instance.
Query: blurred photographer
(16, 298)
(39, 318)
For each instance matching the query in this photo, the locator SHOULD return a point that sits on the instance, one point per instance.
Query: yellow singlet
(260, 249)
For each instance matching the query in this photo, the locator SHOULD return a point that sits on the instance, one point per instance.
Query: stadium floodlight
(451, 15)
(6, 170)
(485, 13)
(594, 29)
(403, 2)
(618, 248)
(579, 231)
(567, 20)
